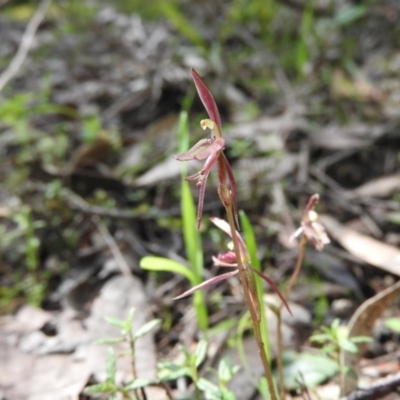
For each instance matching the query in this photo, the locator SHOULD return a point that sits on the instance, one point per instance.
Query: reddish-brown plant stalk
(212, 150)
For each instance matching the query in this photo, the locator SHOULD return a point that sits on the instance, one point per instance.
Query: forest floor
(310, 103)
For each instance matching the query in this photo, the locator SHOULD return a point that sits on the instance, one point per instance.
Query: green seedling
(211, 150)
(188, 367)
(133, 389)
(334, 339)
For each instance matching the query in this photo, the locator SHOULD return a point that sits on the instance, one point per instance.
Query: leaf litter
(133, 76)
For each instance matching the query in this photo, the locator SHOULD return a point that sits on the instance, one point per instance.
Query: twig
(116, 252)
(25, 44)
(377, 390)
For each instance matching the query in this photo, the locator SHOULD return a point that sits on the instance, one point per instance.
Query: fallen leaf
(367, 249)
(361, 324)
(352, 136)
(29, 376)
(35, 366)
(166, 169)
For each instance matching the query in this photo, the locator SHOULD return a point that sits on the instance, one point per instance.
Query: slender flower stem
(279, 359)
(253, 313)
(133, 358)
(299, 262)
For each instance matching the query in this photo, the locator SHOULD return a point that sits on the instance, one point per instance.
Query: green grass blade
(250, 241)
(191, 236)
(182, 24)
(151, 263)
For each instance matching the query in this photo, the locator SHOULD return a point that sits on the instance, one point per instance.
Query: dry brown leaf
(352, 136)
(361, 324)
(167, 169)
(35, 366)
(367, 249)
(88, 154)
(25, 373)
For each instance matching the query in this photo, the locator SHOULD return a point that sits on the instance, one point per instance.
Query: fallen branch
(377, 390)
(25, 45)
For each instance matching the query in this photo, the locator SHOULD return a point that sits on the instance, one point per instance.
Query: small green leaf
(169, 371)
(329, 349)
(335, 325)
(321, 337)
(110, 340)
(151, 263)
(185, 351)
(310, 369)
(348, 345)
(224, 371)
(138, 383)
(201, 352)
(106, 387)
(227, 394)
(146, 328)
(111, 365)
(131, 314)
(115, 322)
(210, 390)
(361, 339)
(393, 324)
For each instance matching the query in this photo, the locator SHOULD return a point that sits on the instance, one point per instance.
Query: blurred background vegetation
(95, 107)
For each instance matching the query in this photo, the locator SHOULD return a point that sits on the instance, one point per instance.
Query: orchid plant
(228, 259)
(211, 150)
(310, 230)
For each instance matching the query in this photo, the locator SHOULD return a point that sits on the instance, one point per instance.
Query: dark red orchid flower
(209, 149)
(228, 259)
(310, 227)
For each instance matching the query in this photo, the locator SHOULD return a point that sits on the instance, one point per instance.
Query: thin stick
(116, 252)
(25, 44)
(378, 390)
